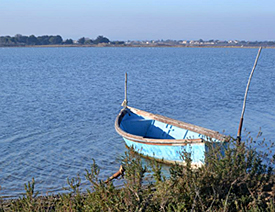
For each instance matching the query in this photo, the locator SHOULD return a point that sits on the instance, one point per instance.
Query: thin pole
(125, 102)
(126, 88)
(245, 96)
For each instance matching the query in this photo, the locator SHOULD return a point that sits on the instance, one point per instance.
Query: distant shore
(101, 41)
(131, 45)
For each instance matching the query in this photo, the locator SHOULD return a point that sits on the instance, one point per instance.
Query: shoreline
(136, 46)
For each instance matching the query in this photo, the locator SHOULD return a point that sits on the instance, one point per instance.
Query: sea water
(58, 105)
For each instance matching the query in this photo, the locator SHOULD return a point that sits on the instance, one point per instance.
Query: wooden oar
(116, 175)
(245, 96)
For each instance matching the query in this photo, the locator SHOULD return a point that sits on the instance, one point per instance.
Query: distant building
(208, 43)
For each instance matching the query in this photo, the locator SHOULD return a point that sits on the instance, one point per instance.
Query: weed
(234, 178)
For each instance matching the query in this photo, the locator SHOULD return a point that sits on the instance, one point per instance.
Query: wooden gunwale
(170, 142)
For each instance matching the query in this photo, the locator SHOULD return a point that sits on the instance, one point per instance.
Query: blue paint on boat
(169, 153)
(148, 128)
(163, 138)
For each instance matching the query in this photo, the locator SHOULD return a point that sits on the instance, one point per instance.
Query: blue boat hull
(169, 154)
(165, 139)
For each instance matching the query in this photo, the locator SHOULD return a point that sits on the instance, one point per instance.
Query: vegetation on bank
(239, 180)
(56, 40)
(21, 40)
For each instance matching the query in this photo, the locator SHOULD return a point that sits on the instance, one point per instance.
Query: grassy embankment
(239, 180)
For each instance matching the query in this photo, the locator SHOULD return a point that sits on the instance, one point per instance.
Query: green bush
(237, 180)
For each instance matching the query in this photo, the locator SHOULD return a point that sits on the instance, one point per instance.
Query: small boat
(166, 139)
(163, 138)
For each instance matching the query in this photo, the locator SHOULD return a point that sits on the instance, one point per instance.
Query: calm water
(58, 105)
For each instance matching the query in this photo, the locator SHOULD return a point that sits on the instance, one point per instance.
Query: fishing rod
(245, 96)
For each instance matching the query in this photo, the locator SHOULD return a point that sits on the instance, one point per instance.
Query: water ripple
(58, 105)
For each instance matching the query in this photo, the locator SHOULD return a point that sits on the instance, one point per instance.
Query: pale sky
(141, 19)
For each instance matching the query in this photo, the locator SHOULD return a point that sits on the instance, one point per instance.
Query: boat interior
(149, 128)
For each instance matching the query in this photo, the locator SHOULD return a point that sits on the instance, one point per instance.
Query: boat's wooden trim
(180, 124)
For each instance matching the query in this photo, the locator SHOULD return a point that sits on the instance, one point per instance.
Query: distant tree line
(99, 39)
(22, 40)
